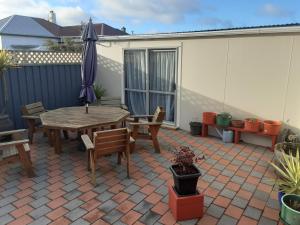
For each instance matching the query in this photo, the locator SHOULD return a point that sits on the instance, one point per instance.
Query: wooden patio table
(77, 120)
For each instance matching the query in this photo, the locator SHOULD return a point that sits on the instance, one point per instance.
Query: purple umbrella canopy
(89, 64)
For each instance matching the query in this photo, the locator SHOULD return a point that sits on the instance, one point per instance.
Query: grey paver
(73, 204)
(73, 194)
(226, 220)
(261, 195)
(76, 213)
(41, 211)
(149, 217)
(266, 221)
(41, 221)
(252, 212)
(39, 202)
(80, 222)
(215, 211)
(131, 189)
(7, 200)
(108, 206)
(228, 193)
(112, 216)
(105, 196)
(239, 202)
(137, 197)
(143, 207)
(6, 209)
(6, 219)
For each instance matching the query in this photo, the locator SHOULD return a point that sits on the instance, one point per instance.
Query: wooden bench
(237, 133)
(113, 102)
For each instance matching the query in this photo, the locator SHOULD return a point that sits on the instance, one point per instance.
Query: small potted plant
(223, 119)
(289, 186)
(252, 124)
(185, 173)
(195, 128)
(99, 92)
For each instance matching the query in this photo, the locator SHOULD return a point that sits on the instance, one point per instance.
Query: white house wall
(255, 75)
(8, 41)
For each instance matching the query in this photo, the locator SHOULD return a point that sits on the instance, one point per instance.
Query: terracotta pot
(252, 125)
(237, 123)
(272, 127)
(209, 118)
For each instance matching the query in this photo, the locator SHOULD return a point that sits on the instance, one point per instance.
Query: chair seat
(11, 151)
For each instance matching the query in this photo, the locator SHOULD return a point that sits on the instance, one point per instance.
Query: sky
(154, 16)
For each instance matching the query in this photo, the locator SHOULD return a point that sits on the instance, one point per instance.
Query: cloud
(274, 11)
(66, 15)
(215, 22)
(162, 11)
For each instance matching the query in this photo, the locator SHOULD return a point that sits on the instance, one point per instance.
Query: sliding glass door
(150, 81)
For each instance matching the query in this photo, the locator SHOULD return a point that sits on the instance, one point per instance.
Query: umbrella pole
(86, 108)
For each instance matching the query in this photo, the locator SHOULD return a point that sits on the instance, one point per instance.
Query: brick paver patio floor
(235, 180)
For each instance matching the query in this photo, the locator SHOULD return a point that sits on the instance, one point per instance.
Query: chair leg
(66, 135)
(93, 167)
(30, 130)
(119, 158)
(25, 160)
(154, 132)
(89, 161)
(127, 153)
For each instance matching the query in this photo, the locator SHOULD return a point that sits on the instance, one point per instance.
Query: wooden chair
(13, 147)
(105, 143)
(152, 126)
(31, 113)
(113, 102)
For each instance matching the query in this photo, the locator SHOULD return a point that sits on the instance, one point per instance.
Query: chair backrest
(111, 101)
(110, 141)
(159, 115)
(33, 109)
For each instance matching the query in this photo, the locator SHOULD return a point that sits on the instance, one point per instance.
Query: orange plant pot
(252, 125)
(272, 127)
(185, 207)
(209, 118)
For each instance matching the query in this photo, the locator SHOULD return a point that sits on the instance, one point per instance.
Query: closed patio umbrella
(89, 64)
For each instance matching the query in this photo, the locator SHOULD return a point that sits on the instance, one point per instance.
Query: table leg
(237, 137)
(114, 126)
(204, 130)
(57, 142)
(274, 140)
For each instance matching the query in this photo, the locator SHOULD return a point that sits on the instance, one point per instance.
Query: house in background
(30, 33)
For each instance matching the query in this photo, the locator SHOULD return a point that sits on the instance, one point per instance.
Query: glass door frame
(147, 91)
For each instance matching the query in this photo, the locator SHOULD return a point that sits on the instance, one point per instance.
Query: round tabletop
(75, 118)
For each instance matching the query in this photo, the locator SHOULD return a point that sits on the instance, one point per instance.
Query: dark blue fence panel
(56, 85)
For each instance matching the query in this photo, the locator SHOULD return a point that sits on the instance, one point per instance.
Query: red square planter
(185, 208)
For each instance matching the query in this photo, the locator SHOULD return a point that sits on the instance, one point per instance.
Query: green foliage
(68, 45)
(99, 91)
(5, 61)
(289, 171)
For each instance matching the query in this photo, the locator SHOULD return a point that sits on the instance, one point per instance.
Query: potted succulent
(185, 173)
(289, 187)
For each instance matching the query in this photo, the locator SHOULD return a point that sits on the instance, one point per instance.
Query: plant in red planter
(185, 173)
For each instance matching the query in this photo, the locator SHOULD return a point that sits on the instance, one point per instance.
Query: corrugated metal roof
(24, 26)
(254, 30)
(4, 21)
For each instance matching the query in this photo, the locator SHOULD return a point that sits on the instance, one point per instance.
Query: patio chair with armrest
(31, 113)
(13, 147)
(106, 143)
(152, 126)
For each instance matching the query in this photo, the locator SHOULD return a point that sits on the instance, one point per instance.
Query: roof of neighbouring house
(254, 30)
(23, 26)
(73, 31)
(38, 27)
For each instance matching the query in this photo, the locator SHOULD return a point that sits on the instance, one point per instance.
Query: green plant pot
(288, 215)
(223, 120)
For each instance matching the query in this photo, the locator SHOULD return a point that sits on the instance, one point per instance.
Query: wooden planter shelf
(237, 133)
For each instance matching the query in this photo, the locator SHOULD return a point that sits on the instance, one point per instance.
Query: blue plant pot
(280, 194)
